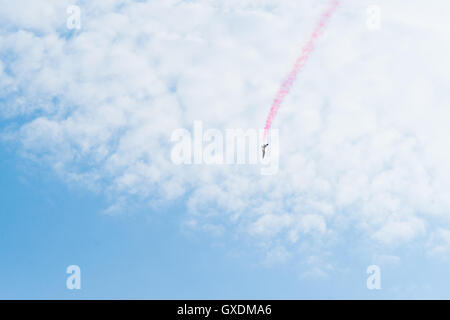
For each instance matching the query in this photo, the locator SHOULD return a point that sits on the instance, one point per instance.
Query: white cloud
(363, 133)
(439, 244)
(386, 259)
(398, 232)
(277, 255)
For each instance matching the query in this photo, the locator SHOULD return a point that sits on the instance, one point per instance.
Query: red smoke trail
(287, 84)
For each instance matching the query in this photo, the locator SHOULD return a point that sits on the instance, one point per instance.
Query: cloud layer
(363, 133)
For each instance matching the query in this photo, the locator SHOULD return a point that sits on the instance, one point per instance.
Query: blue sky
(142, 254)
(47, 227)
(86, 118)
